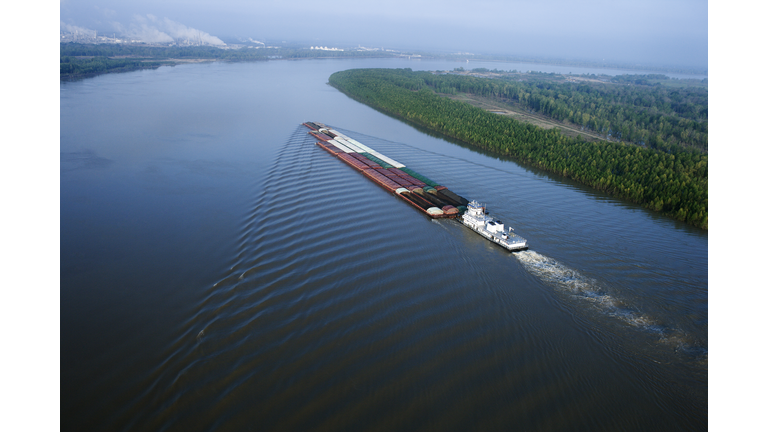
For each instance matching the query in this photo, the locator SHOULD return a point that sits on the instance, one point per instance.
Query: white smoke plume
(75, 29)
(151, 29)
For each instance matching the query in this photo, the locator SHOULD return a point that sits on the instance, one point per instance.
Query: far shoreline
(203, 54)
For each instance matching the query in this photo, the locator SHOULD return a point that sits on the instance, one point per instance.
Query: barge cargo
(432, 199)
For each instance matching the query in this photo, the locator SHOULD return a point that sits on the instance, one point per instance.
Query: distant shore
(78, 54)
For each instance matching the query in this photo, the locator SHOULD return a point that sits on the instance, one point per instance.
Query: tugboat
(476, 219)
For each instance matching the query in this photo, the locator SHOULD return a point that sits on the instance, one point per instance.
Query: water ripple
(343, 308)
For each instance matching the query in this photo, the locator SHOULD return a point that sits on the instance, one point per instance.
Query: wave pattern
(512, 187)
(345, 309)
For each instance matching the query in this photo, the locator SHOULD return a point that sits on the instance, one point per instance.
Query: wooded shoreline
(672, 181)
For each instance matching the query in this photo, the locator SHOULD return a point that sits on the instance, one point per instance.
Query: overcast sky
(671, 32)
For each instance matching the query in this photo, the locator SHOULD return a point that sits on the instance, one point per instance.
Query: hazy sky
(672, 32)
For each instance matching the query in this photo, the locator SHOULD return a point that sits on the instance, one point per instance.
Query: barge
(432, 199)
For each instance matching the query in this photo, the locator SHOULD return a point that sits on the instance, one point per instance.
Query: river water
(221, 272)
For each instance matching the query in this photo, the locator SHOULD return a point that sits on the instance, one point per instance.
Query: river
(221, 272)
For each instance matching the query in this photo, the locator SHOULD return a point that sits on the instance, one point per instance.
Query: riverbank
(675, 185)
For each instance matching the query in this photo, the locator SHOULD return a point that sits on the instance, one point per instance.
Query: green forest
(668, 177)
(656, 116)
(71, 67)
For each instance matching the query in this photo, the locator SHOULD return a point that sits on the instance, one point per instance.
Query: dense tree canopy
(75, 67)
(655, 116)
(673, 182)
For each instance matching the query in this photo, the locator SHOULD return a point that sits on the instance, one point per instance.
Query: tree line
(569, 62)
(672, 182)
(71, 67)
(655, 116)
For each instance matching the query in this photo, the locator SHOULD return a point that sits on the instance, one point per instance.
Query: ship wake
(582, 288)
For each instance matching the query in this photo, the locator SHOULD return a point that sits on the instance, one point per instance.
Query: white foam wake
(570, 281)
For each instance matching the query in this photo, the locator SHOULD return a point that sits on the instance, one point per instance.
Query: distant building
(325, 48)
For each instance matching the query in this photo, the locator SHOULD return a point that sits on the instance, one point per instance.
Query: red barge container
(435, 202)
